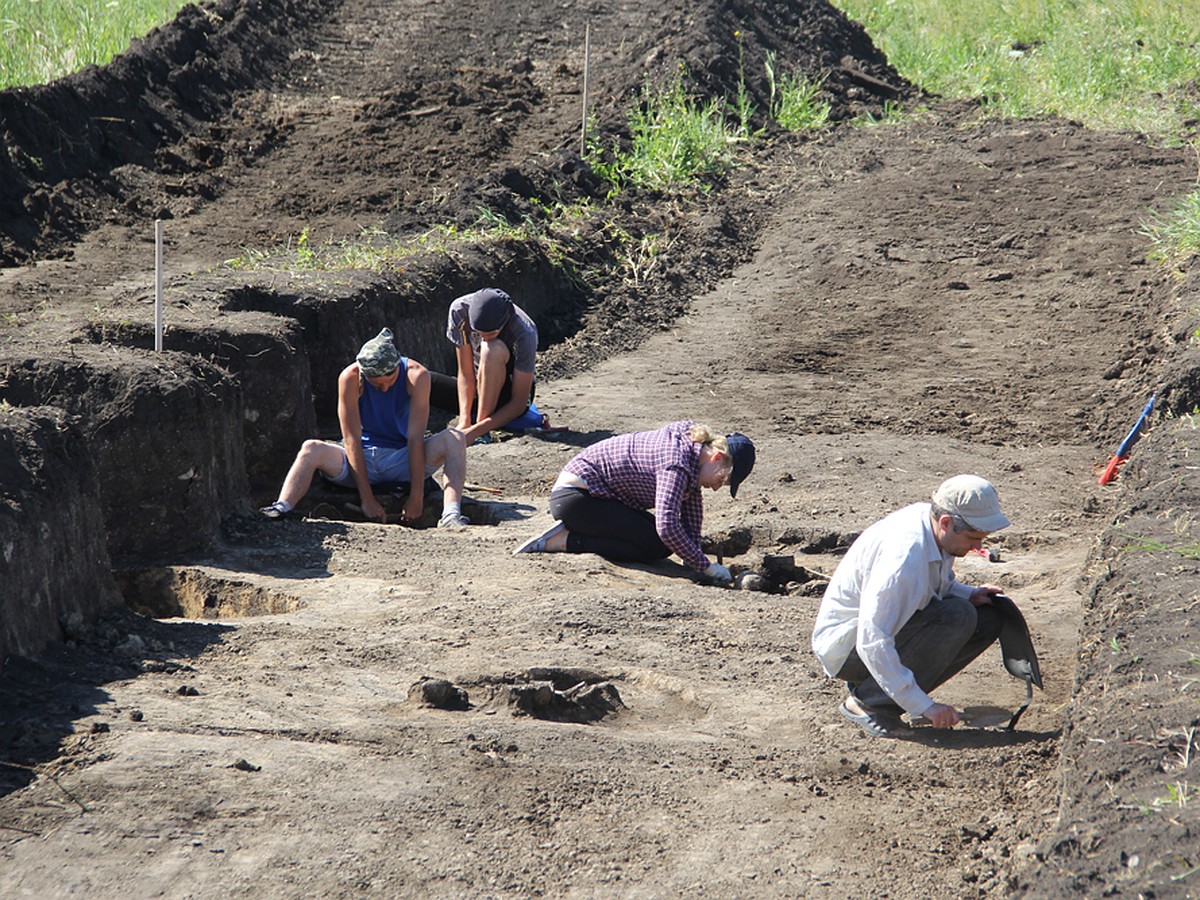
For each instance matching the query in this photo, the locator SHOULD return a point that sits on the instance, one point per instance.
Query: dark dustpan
(1016, 646)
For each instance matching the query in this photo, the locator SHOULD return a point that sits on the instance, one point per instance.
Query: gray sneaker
(538, 544)
(453, 522)
(274, 511)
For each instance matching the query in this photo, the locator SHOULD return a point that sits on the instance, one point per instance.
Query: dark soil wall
(1132, 727)
(267, 357)
(1133, 719)
(53, 551)
(164, 437)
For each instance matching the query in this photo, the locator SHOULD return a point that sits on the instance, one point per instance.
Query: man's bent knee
(312, 450)
(494, 351)
(989, 623)
(450, 443)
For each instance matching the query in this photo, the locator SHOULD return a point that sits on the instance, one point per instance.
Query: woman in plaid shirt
(636, 497)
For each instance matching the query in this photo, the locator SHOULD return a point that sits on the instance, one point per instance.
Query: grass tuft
(796, 102)
(1175, 234)
(676, 141)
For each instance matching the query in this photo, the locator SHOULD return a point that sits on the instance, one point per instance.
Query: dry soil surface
(877, 307)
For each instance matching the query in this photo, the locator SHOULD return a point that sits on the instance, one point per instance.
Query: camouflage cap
(379, 356)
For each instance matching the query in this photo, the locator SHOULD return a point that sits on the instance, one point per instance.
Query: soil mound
(879, 308)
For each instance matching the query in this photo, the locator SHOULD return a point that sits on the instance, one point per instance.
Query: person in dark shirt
(495, 343)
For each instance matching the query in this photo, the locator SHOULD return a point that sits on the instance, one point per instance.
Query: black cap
(741, 451)
(489, 309)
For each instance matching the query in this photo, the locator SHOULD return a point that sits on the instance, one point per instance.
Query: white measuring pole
(587, 54)
(158, 310)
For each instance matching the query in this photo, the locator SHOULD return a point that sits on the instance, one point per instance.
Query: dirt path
(923, 299)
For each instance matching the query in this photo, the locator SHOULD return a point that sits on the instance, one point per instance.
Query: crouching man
(383, 409)
(894, 623)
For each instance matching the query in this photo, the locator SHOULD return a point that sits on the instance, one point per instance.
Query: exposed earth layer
(200, 702)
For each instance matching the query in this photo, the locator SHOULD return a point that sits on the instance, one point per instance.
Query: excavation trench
(194, 592)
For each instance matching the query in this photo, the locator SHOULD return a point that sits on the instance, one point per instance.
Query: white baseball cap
(974, 500)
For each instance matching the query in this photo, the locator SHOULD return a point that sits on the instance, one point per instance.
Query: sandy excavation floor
(878, 309)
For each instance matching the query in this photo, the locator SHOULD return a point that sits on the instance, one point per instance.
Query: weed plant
(796, 103)
(675, 141)
(41, 40)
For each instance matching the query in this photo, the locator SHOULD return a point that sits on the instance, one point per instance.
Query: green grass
(796, 102)
(375, 250)
(41, 40)
(1175, 234)
(676, 141)
(1122, 64)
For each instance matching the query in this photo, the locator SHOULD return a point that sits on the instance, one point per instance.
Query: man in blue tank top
(383, 408)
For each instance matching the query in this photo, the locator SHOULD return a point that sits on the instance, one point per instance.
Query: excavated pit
(167, 592)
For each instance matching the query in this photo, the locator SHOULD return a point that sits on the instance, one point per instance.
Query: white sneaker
(453, 522)
(538, 544)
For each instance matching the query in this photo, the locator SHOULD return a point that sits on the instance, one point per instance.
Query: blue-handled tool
(1124, 448)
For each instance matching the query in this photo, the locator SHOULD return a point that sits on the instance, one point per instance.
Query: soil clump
(202, 701)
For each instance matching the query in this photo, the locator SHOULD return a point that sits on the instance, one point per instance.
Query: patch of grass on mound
(1175, 234)
(41, 41)
(1124, 64)
(796, 102)
(676, 141)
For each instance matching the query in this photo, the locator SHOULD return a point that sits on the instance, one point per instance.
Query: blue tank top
(384, 414)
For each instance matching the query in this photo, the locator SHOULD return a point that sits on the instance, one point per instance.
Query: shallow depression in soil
(194, 593)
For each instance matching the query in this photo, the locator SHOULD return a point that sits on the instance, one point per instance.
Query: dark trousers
(443, 391)
(607, 527)
(936, 644)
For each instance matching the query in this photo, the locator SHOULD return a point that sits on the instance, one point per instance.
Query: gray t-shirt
(519, 334)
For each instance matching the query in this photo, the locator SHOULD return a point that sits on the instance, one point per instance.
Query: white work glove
(718, 573)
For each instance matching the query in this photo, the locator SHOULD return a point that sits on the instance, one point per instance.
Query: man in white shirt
(895, 623)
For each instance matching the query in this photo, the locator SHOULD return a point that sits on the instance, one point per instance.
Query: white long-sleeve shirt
(894, 569)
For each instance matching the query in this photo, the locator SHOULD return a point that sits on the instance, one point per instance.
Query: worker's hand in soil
(413, 507)
(373, 511)
(942, 716)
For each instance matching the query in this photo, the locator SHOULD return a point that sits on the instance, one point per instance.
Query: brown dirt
(878, 308)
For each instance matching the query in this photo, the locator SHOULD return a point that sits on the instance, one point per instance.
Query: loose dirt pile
(324, 706)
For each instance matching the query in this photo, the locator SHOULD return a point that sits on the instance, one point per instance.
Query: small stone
(751, 581)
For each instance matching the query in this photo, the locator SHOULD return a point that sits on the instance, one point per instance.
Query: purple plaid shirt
(657, 470)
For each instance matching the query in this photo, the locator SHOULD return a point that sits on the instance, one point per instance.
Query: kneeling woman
(602, 499)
